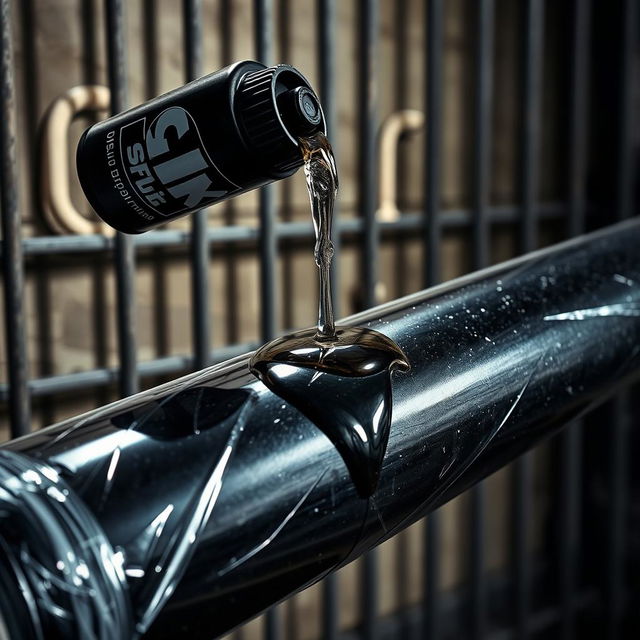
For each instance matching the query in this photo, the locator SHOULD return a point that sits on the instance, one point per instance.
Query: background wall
(70, 299)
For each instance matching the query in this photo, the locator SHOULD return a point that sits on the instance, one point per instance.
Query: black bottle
(219, 136)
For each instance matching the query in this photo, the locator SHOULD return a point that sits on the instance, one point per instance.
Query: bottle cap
(275, 106)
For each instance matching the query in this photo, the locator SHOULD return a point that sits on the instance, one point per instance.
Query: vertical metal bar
(531, 120)
(98, 320)
(30, 95)
(570, 540)
(124, 250)
(431, 593)
(158, 255)
(483, 112)
(273, 626)
(477, 569)
(326, 58)
(618, 452)
(367, 107)
(88, 42)
(263, 12)
(618, 465)
(263, 22)
(626, 145)
(225, 30)
(402, 562)
(199, 249)
(330, 608)
(401, 85)
(521, 514)
(150, 22)
(481, 253)
(369, 596)
(326, 20)
(12, 258)
(530, 143)
(434, 45)
(571, 438)
(433, 108)
(578, 115)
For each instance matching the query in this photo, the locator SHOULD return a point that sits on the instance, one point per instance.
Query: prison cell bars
(20, 389)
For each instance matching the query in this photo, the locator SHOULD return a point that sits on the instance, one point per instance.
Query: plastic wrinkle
(181, 547)
(475, 454)
(69, 570)
(276, 532)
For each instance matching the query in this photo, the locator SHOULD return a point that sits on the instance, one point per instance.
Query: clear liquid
(340, 378)
(322, 183)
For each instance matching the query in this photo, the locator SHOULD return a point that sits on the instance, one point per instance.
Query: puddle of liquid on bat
(339, 377)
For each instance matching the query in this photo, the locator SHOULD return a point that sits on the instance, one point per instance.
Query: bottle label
(167, 165)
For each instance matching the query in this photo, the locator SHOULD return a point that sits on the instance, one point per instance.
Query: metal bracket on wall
(58, 210)
(397, 124)
(394, 126)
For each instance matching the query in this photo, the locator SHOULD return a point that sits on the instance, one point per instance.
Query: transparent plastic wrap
(188, 509)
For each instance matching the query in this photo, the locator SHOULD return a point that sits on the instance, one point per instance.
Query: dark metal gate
(582, 581)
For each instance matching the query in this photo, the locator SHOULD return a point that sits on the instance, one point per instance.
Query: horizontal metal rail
(450, 219)
(214, 498)
(179, 363)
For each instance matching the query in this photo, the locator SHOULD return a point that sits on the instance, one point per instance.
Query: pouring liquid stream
(339, 377)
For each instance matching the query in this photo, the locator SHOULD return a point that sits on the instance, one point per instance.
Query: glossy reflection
(239, 499)
(343, 385)
(322, 183)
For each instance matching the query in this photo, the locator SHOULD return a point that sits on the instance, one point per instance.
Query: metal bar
(123, 244)
(326, 60)
(570, 541)
(476, 562)
(401, 101)
(571, 438)
(263, 17)
(626, 174)
(199, 250)
(481, 256)
(618, 451)
(330, 607)
(578, 118)
(408, 221)
(326, 57)
(272, 624)
(434, 48)
(369, 595)
(159, 263)
(401, 84)
(368, 21)
(224, 28)
(12, 259)
(433, 107)
(263, 21)
(533, 41)
(533, 49)
(521, 517)
(618, 464)
(431, 572)
(268, 510)
(96, 378)
(483, 113)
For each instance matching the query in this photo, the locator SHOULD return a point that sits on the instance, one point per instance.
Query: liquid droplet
(340, 379)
